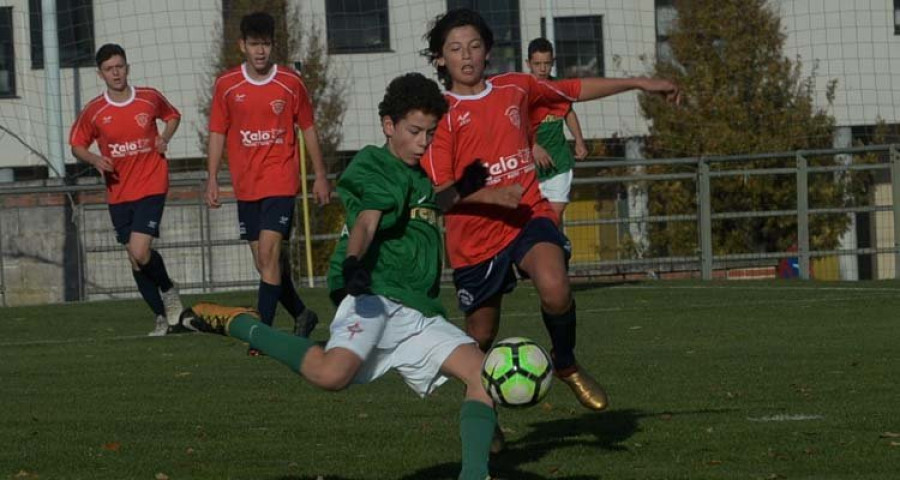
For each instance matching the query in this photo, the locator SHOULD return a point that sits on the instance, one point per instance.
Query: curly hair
(441, 27)
(409, 92)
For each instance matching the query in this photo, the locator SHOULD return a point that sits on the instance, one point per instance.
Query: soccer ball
(517, 372)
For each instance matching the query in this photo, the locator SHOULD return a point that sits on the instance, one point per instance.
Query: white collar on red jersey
(119, 104)
(487, 90)
(259, 82)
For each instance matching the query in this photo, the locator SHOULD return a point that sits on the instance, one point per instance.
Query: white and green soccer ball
(517, 372)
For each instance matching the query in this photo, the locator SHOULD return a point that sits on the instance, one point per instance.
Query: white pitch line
(786, 417)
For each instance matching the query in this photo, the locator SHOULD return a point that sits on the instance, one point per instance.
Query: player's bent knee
(332, 370)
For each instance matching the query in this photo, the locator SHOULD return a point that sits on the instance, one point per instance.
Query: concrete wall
(32, 239)
(200, 246)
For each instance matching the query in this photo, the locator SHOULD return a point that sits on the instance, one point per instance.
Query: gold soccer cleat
(212, 318)
(586, 390)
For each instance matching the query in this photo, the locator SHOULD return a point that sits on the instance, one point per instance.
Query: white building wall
(170, 44)
(629, 46)
(852, 42)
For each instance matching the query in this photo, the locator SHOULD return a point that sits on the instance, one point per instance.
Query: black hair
(441, 27)
(108, 51)
(540, 44)
(258, 25)
(412, 91)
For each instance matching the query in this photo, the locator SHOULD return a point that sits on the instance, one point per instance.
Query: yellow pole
(303, 190)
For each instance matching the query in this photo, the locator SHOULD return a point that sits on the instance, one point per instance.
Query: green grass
(698, 374)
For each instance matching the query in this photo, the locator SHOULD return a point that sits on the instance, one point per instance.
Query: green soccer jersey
(550, 136)
(406, 254)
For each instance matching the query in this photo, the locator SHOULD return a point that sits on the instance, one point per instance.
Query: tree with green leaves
(300, 44)
(742, 96)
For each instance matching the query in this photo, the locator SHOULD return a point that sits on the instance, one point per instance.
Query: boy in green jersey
(384, 276)
(551, 151)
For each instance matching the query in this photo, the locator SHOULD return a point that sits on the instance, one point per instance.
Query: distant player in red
(257, 108)
(123, 123)
(552, 156)
(500, 221)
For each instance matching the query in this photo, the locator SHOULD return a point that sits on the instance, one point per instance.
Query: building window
(357, 26)
(896, 17)
(666, 15)
(7, 54)
(75, 22)
(503, 18)
(578, 46)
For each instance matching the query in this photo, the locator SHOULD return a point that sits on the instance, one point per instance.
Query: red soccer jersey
(539, 112)
(126, 134)
(258, 119)
(493, 127)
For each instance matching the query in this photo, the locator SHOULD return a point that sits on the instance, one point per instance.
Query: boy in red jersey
(486, 236)
(123, 122)
(552, 156)
(256, 109)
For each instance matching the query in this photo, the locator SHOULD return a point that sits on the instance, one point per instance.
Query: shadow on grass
(603, 431)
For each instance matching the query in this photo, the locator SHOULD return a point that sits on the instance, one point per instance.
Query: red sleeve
(542, 92)
(219, 119)
(165, 111)
(303, 110)
(83, 132)
(438, 161)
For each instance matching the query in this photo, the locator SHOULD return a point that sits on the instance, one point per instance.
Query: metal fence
(58, 244)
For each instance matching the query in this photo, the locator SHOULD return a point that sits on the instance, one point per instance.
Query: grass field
(707, 380)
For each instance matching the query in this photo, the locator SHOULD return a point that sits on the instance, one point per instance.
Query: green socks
(476, 430)
(282, 346)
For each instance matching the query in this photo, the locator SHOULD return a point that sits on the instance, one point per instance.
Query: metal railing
(202, 249)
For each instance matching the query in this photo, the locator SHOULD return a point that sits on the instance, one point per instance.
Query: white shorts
(387, 335)
(556, 189)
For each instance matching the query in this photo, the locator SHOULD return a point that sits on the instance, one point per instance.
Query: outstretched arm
(598, 87)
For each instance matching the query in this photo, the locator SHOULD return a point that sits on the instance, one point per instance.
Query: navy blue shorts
(142, 216)
(477, 283)
(270, 213)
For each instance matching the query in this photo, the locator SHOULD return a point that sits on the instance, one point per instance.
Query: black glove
(357, 280)
(473, 179)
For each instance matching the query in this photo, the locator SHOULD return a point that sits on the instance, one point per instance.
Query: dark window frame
(896, 17)
(662, 38)
(75, 22)
(507, 36)
(337, 19)
(8, 50)
(560, 29)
